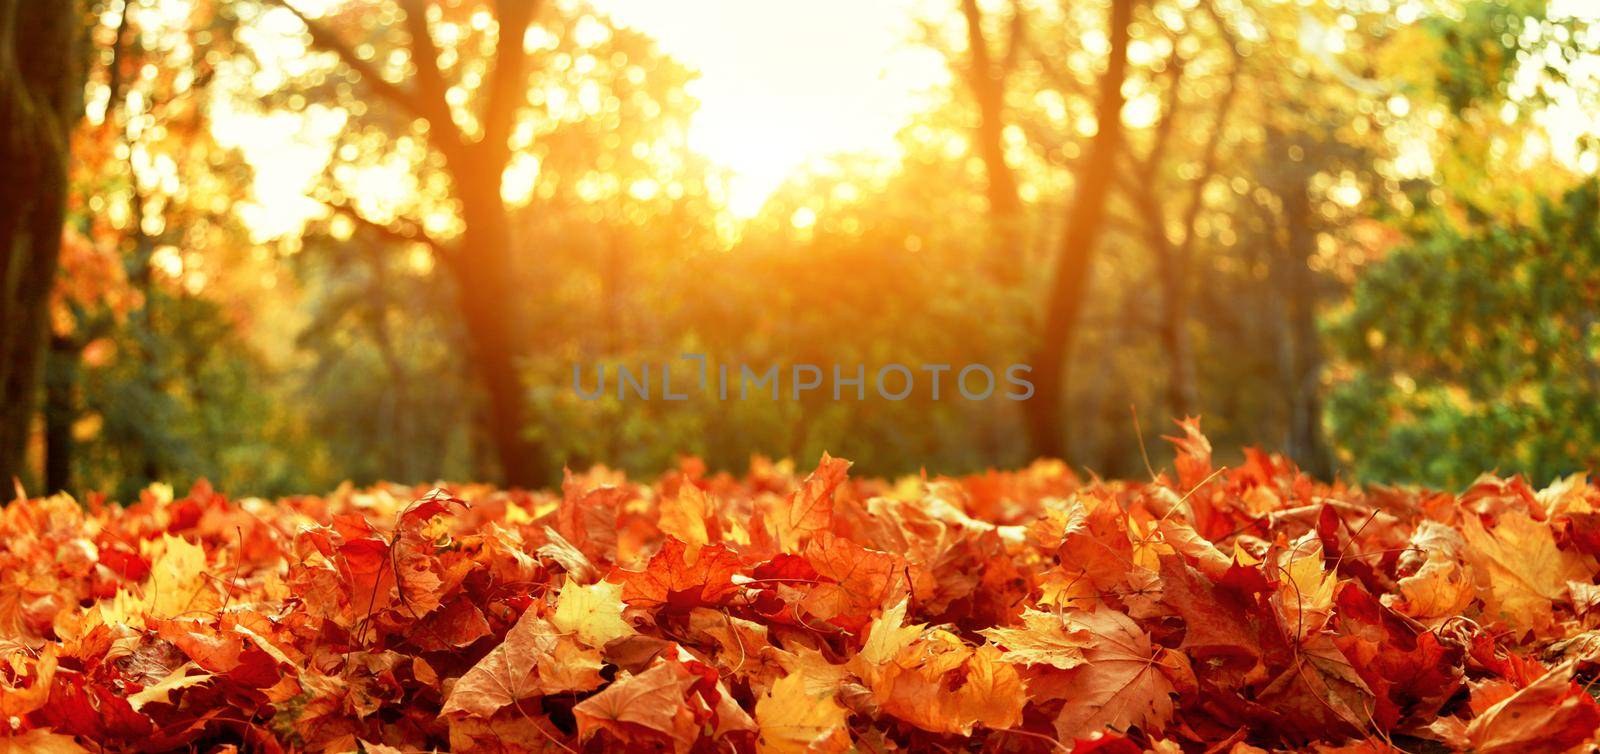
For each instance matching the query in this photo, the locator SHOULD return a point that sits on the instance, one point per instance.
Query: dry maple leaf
(689, 516)
(810, 509)
(1549, 716)
(933, 680)
(1120, 685)
(178, 580)
(1043, 639)
(853, 581)
(1522, 569)
(793, 719)
(1441, 589)
(1305, 593)
(161, 693)
(680, 580)
(887, 636)
(593, 612)
(533, 660)
(650, 704)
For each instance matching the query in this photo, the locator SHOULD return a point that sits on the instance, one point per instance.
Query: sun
(783, 84)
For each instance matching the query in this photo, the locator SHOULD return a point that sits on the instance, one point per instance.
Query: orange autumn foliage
(1243, 609)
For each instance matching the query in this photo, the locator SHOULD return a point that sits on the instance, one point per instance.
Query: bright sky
(782, 82)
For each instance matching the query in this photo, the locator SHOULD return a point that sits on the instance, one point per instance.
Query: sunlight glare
(783, 84)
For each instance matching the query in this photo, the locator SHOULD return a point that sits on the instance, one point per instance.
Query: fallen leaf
(1550, 716)
(1521, 569)
(793, 719)
(1043, 639)
(593, 612)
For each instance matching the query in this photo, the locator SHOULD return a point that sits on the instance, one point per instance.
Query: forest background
(308, 241)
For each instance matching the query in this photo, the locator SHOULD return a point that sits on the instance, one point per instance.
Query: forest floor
(1206, 609)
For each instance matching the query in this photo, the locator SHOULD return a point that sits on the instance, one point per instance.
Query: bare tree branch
(1208, 161)
(400, 231)
(508, 82)
(431, 87)
(324, 38)
(1015, 40)
(1169, 115)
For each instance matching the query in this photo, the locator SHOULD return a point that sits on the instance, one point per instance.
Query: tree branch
(508, 83)
(1208, 161)
(431, 87)
(324, 38)
(400, 231)
(1169, 115)
(1015, 41)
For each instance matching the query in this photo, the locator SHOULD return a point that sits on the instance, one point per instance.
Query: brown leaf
(1120, 685)
(643, 707)
(1549, 716)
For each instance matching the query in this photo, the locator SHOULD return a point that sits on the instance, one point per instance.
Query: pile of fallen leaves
(1208, 610)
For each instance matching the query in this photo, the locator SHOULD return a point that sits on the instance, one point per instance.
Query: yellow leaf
(161, 693)
(177, 581)
(793, 720)
(993, 694)
(1441, 588)
(886, 636)
(1520, 570)
(1305, 595)
(593, 612)
(1043, 639)
(685, 516)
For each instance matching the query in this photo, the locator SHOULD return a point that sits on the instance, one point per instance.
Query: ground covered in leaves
(1207, 610)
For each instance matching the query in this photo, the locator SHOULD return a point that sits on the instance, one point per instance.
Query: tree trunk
(1084, 224)
(988, 84)
(41, 98)
(60, 413)
(487, 299)
(1181, 394)
(1300, 348)
(1306, 444)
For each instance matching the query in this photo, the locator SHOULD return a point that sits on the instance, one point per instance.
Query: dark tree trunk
(1306, 444)
(41, 98)
(1063, 304)
(60, 412)
(487, 298)
(987, 79)
(1300, 345)
(1181, 390)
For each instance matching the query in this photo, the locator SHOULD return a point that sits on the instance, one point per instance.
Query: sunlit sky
(780, 84)
(783, 82)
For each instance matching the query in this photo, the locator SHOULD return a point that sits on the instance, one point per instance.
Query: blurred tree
(987, 77)
(462, 99)
(1181, 160)
(41, 99)
(1477, 349)
(139, 181)
(600, 181)
(385, 391)
(1069, 276)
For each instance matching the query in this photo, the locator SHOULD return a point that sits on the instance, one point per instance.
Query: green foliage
(1477, 349)
(185, 401)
